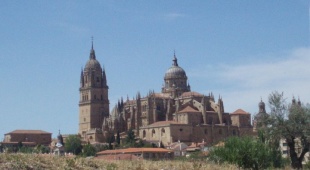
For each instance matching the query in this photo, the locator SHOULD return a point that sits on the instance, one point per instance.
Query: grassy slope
(35, 161)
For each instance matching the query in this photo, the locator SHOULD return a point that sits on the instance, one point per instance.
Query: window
(162, 132)
(153, 133)
(98, 80)
(144, 134)
(95, 97)
(284, 144)
(84, 119)
(285, 152)
(220, 131)
(234, 132)
(206, 131)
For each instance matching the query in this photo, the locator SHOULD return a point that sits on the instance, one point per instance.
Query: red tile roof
(134, 150)
(118, 157)
(189, 109)
(240, 112)
(28, 132)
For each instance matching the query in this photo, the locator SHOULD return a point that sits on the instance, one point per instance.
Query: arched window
(234, 132)
(162, 132)
(206, 131)
(153, 133)
(144, 134)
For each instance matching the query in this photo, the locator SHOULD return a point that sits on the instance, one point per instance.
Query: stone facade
(94, 102)
(36, 137)
(176, 113)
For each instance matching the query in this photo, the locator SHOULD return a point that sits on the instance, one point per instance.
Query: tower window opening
(98, 80)
(95, 97)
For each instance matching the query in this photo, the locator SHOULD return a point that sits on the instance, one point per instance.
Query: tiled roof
(189, 109)
(29, 132)
(118, 157)
(239, 112)
(134, 150)
(161, 123)
(162, 95)
(192, 93)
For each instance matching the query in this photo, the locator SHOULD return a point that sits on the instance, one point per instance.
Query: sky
(240, 50)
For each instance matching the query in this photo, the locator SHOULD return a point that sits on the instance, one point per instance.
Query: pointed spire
(82, 78)
(92, 51)
(104, 77)
(293, 100)
(175, 60)
(92, 42)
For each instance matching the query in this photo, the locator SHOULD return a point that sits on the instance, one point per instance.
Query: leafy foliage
(73, 144)
(246, 152)
(118, 138)
(289, 122)
(88, 150)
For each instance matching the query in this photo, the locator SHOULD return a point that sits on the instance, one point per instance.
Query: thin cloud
(242, 86)
(173, 16)
(69, 27)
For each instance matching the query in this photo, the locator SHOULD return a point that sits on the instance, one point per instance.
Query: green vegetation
(45, 161)
(73, 144)
(88, 150)
(246, 152)
(289, 122)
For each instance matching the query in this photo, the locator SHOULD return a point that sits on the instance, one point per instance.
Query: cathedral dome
(175, 71)
(261, 104)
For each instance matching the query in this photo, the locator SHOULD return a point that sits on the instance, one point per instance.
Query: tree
(289, 122)
(73, 144)
(246, 152)
(131, 138)
(118, 138)
(88, 150)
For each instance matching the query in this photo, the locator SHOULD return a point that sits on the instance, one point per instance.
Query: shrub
(246, 152)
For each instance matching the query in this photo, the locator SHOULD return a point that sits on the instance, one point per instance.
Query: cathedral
(175, 114)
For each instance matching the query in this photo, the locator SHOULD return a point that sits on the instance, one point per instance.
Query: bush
(246, 152)
(88, 150)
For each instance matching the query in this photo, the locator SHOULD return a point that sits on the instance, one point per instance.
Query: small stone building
(35, 136)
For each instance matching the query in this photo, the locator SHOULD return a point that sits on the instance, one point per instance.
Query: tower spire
(92, 51)
(175, 60)
(92, 42)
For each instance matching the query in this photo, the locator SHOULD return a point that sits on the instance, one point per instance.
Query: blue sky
(241, 50)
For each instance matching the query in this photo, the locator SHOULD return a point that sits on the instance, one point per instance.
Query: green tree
(88, 150)
(118, 138)
(289, 122)
(73, 144)
(130, 136)
(246, 152)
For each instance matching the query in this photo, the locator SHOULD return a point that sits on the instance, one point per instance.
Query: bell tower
(94, 101)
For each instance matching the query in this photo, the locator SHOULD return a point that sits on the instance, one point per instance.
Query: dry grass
(35, 161)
